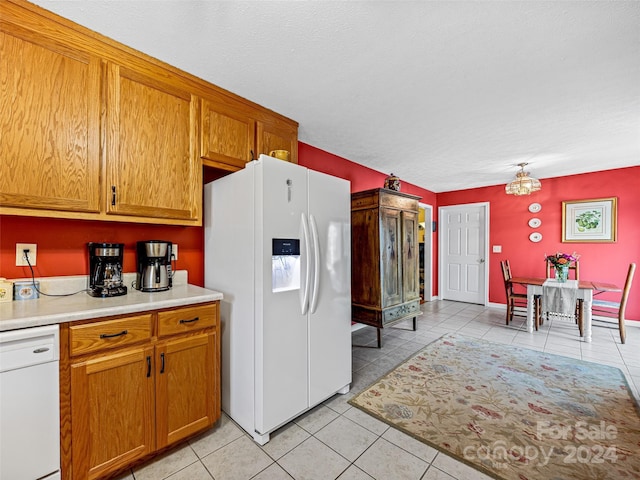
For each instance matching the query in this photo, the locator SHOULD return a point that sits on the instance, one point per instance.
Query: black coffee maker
(105, 269)
(154, 266)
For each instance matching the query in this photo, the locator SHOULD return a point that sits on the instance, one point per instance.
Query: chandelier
(523, 184)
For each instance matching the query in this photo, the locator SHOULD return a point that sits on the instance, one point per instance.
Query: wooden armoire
(385, 287)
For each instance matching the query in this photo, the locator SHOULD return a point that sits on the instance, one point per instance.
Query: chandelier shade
(523, 184)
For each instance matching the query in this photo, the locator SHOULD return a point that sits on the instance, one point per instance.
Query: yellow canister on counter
(6, 290)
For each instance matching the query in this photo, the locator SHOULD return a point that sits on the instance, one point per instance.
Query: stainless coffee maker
(105, 269)
(154, 266)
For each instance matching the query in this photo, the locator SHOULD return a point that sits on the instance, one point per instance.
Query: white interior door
(463, 252)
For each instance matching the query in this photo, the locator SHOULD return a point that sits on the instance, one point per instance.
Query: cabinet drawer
(92, 337)
(405, 310)
(187, 319)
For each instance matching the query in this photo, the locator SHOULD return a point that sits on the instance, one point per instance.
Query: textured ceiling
(446, 95)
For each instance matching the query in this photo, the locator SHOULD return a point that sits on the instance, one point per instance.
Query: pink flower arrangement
(562, 259)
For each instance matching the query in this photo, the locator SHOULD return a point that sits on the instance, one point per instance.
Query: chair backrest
(508, 265)
(626, 289)
(575, 267)
(506, 276)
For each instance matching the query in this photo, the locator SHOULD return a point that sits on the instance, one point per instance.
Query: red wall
(607, 262)
(62, 245)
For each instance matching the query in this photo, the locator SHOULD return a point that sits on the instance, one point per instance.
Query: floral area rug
(511, 412)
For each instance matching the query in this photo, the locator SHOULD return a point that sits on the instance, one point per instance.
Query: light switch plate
(174, 251)
(497, 249)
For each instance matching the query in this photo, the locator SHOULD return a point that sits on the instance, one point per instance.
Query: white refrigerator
(278, 246)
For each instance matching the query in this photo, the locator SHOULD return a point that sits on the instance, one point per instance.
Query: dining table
(586, 289)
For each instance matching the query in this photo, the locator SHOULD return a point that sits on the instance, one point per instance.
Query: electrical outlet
(21, 260)
(174, 251)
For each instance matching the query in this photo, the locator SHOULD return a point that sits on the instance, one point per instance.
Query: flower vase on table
(561, 262)
(562, 273)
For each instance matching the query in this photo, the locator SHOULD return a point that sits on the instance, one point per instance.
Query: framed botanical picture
(592, 220)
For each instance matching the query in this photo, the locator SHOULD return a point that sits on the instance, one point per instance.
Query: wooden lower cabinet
(128, 401)
(112, 404)
(185, 387)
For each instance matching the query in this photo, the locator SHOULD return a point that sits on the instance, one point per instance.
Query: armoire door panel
(391, 260)
(410, 257)
(365, 251)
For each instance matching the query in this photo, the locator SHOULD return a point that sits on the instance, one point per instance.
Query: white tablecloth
(559, 297)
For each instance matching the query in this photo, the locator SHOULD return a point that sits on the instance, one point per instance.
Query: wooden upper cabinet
(274, 134)
(234, 133)
(152, 168)
(49, 126)
(227, 136)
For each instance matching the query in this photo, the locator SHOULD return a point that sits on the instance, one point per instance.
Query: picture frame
(592, 220)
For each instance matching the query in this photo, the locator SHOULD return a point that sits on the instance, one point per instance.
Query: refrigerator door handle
(304, 297)
(316, 264)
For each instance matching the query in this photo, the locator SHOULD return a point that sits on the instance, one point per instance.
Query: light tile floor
(335, 440)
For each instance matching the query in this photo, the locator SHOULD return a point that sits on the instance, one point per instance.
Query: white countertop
(52, 310)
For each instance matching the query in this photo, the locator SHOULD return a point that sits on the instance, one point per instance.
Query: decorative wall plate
(535, 237)
(535, 222)
(535, 207)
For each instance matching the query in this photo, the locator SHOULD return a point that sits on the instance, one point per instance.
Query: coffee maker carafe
(105, 269)
(154, 266)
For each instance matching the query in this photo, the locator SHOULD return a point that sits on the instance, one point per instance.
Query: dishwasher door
(29, 404)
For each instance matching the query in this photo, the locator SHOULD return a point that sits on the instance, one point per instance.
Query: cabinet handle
(190, 321)
(113, 195)
(111, 335)
(162, 363)
(148, 366)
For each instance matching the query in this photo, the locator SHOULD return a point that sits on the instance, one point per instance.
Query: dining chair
(604, 308)
(515, 299)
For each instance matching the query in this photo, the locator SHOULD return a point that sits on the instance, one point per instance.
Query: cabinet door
(227, 136)
(410, 256)
(277, 135)
(187, 388)
(112, 417)
(391, 256)
(152, 168)
(365, 258)
(49, 126)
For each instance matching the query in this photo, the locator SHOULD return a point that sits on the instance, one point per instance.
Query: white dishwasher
(29, 404)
